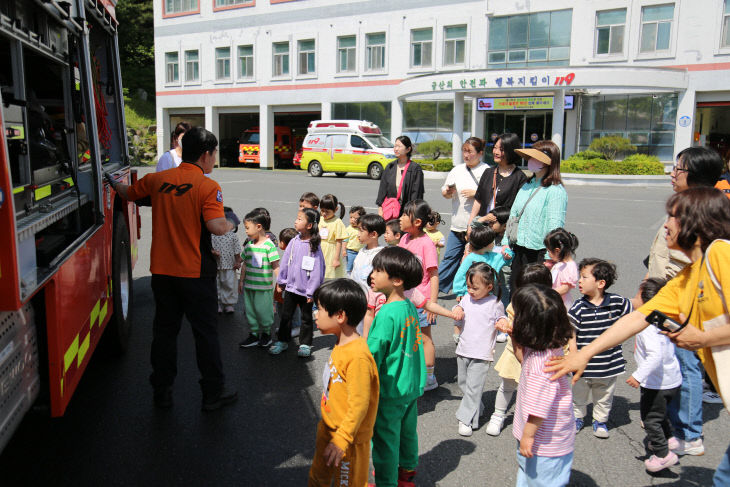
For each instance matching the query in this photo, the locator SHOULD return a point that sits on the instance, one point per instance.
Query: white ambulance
(343, 146)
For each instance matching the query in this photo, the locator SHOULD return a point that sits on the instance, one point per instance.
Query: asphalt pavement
(112, 435)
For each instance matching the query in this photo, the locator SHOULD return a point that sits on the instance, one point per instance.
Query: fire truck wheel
(340, 174)
(120, 325)
(375, 170)
(315, 169)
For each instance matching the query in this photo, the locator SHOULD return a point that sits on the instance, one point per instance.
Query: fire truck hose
(105, 134)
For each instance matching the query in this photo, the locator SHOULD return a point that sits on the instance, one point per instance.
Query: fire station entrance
(236, 129)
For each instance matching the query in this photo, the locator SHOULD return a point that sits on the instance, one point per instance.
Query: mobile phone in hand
(663, 322)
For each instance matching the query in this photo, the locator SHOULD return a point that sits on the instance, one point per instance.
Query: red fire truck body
(68, 243)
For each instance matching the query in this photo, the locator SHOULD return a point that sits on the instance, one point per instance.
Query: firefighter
(183, 266)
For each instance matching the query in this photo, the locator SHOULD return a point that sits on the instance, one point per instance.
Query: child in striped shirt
(591, 315)
(543, 424)
(258, 275)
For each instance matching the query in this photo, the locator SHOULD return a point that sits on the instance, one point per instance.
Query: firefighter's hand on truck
(110, 179)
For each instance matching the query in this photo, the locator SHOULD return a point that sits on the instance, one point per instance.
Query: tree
(434, 148)
(612, 146)
(136, 45)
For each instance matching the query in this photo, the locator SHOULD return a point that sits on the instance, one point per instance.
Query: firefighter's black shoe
(226, 397)
(163, 397)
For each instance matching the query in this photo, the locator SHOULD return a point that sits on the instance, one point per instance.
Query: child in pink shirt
(543, 426)
(416, 214)
(561, 246)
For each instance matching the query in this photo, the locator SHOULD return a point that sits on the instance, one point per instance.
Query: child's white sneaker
(464, 429)
(494, 428)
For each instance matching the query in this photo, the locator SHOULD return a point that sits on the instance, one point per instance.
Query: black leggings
(523, 257)
(291, 301)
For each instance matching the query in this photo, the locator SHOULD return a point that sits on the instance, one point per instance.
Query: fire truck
(68, 243)
(248, 149)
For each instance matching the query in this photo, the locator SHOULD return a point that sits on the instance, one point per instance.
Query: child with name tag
(258, 274)
(333, 234)
(301, 273)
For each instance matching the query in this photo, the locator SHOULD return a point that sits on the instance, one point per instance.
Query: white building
(571, 70)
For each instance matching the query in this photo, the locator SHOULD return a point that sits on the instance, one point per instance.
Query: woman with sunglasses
(540, 204)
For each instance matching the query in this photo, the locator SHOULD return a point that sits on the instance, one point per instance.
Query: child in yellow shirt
(433, 232)
(350, 398)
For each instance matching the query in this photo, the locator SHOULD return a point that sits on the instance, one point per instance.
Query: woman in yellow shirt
(699, 225)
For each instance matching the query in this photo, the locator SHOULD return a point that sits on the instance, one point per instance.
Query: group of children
(380, 302)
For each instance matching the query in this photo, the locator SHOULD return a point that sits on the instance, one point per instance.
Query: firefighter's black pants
(197, 299)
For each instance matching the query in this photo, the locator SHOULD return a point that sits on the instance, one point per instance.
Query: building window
(725, 41)
(306, 57)
(281, 58)
(432, 116)
(421, 43)
(648, 121)
(231, 3)
(222, 63)
(245, 61)
(377, 112)
(172, 67)
(610, 26)
(192, 66)
(454, 45)
(375, 52)
(656, 27)
(346, 54)
(181, 6)
(539, 39)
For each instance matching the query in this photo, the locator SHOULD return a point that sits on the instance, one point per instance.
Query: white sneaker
(709, 397)
(464, 429)
(494, 428)
(431, 384)
(502, 337)
(695, 448)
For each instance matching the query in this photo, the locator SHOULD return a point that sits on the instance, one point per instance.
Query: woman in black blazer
(413, 182)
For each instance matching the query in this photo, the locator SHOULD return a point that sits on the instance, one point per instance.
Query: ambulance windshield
(379, 141)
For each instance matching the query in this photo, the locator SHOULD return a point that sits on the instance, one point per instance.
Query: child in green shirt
(395, 341)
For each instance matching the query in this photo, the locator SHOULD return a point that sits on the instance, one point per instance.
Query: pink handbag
(391, 206)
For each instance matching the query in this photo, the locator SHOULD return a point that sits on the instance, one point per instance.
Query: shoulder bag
(720, 353)
(514, 221)
(391, 206)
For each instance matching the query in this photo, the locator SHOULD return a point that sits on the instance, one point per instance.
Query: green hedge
(439, 165)
(635, 164)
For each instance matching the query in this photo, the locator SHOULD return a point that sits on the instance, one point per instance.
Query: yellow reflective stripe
(94, 314)
(43, 192)
(70, 181)
(83, 349)
(19, 189)
(61, 386)
(102, 315)
(70, 354)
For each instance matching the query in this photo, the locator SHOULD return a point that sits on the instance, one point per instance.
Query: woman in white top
(173, 157)
(460, 186)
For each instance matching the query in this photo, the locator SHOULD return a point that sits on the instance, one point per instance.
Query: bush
(612, 146)
(636, 164)
(141, 130)
(587, 154)
(434, 148)
(439, 165)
